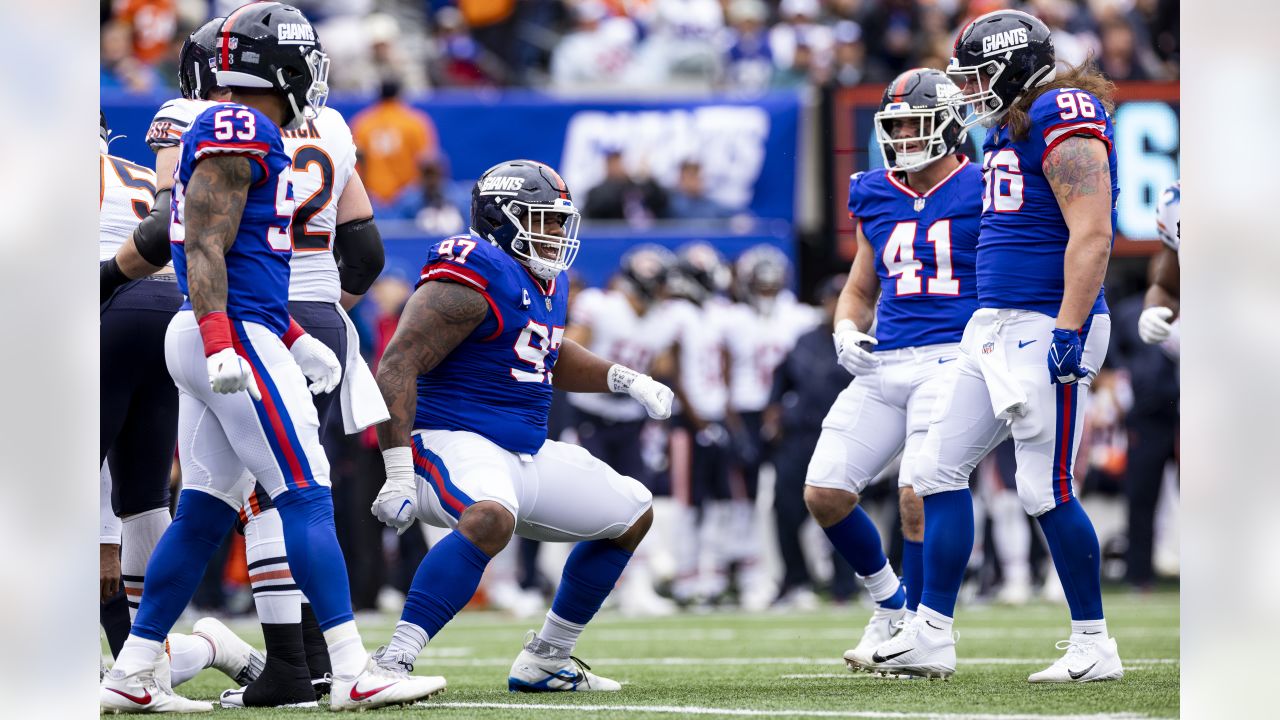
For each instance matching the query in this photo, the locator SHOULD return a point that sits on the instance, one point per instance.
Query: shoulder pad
(466, 260)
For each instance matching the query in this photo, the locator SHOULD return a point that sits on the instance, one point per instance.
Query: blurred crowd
(623, 45)
(755, 372)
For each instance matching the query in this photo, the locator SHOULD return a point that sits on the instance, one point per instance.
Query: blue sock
(315, 558)
(589, 575)
(179, 561)
(444, 583)
(1074, 546)
(858, 542)
(913, 571)
(948, 542)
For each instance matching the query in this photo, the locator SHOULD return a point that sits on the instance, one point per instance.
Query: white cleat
(380, 685)
(920, 649)
(883, 625)
(1086, 661)
(535, 670)
(142, 692)
(233, 656)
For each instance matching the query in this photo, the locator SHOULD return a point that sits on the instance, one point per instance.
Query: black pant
(790, 462)
(1151, 446)
(139, 402)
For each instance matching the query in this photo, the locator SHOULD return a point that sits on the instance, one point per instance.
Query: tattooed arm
(215, 199)
(438, 317)
(1078, 172)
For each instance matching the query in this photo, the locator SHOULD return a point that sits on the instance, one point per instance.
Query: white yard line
(776, 712)
(506, 660)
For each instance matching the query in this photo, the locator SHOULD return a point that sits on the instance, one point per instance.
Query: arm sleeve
(151, 236)
(357, 247)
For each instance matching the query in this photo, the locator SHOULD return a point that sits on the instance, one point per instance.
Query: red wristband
(215, 329)
(294, 332)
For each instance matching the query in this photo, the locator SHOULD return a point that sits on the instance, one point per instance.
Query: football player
(699, 361)
(468, 378)
(140, 426)
(625, 323)
(1029, 354)
(232, 208)
(913, 278)
(775, 320)
(1155, 325)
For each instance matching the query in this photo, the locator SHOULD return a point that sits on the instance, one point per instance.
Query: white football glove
(230, 373)
(1154, 326)
(653, 395)
(396, 504)
(318, 363)
(851, 356)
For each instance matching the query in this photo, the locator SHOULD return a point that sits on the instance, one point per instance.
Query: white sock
(560, 632)
(346, 651)
(138, 537)
(275, 595)
(137, 655)
(408, 638)
(909, 616)
(1089, 630)
(882, 584)
(935, 622)
(188, 655)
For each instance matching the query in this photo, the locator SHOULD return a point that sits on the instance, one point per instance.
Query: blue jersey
(497, 382)
(258, 260)
(924, 250)
(1024, 238)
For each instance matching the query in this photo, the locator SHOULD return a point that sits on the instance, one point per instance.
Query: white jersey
(764, 340)
(126, 193)
(324, 159)
(619, 335)
(701, 332)
(1169, 216)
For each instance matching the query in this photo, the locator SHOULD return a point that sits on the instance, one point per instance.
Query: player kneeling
(468, 381)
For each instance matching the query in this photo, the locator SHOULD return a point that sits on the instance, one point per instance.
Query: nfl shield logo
(919, 204)
(988, 348)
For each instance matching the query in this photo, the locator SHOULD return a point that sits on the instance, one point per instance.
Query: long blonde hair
(1084, 76)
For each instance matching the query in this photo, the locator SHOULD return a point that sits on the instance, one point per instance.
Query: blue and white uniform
(1002, 385)
(924, 249)
(222, 435)
(1169, 216)
(480, 431)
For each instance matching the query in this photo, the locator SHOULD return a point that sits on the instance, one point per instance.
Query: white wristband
(398, 462)
(620, 378)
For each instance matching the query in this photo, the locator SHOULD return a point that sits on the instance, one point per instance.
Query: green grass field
(786, 665)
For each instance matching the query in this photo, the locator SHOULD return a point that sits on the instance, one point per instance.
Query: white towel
(1008, 399)
(362, 403)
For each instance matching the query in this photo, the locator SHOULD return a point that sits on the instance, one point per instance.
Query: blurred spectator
(458, 60)
(799, 28)
(394, 141)
(748, 60)
(118, 67)
(1161, 19)
(679, 47)
(1121, 57)
(597, 52)
(493, 25)
(621, 197)
(1070, 47)
(689, 199)
(446, 205)
(799, 72)
(850, 54)
(152, 25)
(891, 29)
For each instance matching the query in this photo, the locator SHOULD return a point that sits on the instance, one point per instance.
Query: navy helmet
(645, 270)
(196, 61)
(997, 58)
(524, 207)
(272, 46)
(700, 272)
(916, 125)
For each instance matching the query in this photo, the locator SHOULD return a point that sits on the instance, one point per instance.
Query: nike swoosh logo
(143, 699)
(1095, 632)
(877, 657)
(1024, 343)
(944, 360)
(935, 627)
(1077, 675)
(362, 696)
(403, 505)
